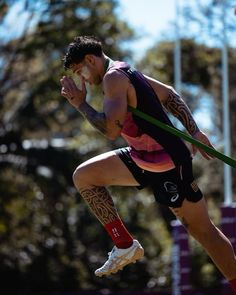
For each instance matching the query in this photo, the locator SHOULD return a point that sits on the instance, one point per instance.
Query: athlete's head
(82, 58)
(79, 48)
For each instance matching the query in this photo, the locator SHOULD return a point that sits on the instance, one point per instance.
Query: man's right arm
(109, 122)
(96, 119)
(77, 98)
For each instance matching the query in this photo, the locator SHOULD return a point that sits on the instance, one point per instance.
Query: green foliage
(49, 239)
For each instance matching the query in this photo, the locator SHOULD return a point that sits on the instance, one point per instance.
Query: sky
(150, 18)
(154, 20)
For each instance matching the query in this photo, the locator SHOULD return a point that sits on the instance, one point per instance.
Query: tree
(214, 23)
(42, 224)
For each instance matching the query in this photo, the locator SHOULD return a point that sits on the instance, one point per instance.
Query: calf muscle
(100, 203)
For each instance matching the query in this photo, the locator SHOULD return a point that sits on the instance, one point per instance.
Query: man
(153, 157)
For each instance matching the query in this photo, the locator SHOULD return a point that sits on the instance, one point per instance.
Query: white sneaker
(118, 258)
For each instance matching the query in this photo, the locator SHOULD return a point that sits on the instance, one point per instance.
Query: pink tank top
(147, 153)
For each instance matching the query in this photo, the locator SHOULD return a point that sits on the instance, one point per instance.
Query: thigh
(174, 186)
(106, 169)
(193, 215)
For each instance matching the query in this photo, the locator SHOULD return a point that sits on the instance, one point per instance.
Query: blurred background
(49, 241)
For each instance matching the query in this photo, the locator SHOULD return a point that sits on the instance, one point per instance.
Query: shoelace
(110, 260)
(112, 253)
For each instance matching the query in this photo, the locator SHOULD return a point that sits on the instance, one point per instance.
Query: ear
(89, 58)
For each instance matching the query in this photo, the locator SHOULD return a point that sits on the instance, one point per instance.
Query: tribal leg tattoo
(100, 203)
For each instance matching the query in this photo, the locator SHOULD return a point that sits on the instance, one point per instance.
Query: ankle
(233, 284)
(119, 234)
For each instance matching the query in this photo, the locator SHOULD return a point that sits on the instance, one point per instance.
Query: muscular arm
(97, 120)
(109, 122)
(176, 105)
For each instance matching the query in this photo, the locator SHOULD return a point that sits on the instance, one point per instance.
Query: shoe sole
(137, 255)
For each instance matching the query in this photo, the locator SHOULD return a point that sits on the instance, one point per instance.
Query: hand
(71, 92)
(200, 136)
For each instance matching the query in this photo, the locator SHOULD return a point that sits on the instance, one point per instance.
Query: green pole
(176, 132)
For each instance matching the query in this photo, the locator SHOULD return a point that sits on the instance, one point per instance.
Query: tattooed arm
(176, 105)
(109, 122)
(96, 119)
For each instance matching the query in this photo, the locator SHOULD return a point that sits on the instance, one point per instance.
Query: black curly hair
(81, 46)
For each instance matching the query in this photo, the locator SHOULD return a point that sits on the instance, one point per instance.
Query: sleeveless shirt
(151, 147)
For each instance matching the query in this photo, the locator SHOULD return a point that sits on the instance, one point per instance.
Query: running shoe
(118, 258)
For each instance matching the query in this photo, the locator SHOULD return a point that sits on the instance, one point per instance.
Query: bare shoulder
(162, 90)
(114, 78)
(115, 86)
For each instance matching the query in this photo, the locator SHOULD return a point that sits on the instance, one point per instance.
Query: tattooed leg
(100, 203)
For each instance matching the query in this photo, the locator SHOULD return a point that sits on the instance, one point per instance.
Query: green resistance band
(184, 136)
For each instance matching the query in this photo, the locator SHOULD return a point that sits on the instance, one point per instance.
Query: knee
(80, 177)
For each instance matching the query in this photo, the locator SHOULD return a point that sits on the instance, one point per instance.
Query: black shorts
(170, 187)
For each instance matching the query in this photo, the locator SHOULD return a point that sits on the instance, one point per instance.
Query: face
(87, 70)
(82, 70)
(85, 73)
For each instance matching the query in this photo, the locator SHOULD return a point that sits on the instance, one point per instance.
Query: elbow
(112, 135)
(112, 132)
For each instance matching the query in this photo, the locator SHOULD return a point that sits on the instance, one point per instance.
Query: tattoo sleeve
(96, 119)
(176, 105)
(100, 203)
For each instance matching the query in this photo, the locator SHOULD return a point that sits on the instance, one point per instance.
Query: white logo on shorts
(174, 198)
(172, 188)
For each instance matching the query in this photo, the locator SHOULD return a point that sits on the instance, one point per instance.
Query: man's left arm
(177, 106)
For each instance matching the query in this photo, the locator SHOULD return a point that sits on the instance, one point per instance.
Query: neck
(107, 63)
